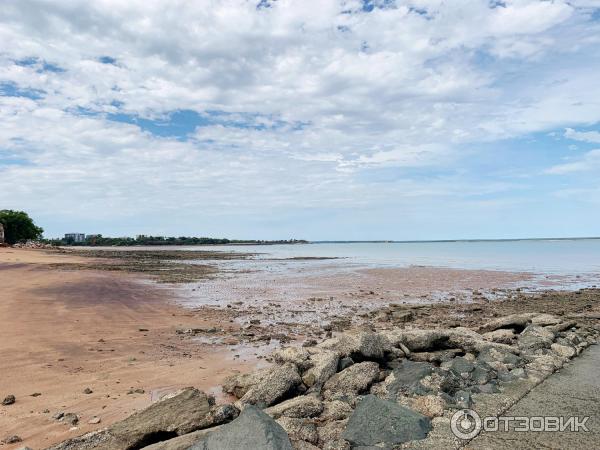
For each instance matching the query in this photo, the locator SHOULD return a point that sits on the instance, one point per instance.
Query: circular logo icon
(465, 424)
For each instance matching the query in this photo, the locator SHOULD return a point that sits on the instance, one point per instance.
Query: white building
(75, 237)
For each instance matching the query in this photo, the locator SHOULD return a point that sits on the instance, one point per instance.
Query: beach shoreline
(71, 325)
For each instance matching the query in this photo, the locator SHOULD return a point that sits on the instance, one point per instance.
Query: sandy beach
(72, 322)
(64, 331)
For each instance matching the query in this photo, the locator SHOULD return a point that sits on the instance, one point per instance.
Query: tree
(18, 226)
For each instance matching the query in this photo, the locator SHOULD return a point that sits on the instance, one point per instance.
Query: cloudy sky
(317, 119)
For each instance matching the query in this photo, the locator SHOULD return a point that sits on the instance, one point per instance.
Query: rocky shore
(394, 388)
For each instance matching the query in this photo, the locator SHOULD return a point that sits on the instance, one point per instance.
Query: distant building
(1, 234)
(75, 237)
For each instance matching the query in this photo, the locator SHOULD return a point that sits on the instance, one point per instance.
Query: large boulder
(177, 414)
(253, 429)
(239, 384)
(435, 340)
(377, 422)
(279, 382)
(359, 346)
(353, 380)
(501, 336)
(299, 429)
(516, 322)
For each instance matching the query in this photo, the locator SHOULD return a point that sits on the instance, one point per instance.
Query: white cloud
(588, 162)
(584, 136)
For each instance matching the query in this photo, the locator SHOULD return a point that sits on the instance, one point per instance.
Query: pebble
(9, 400)
(88, 391)
(94, 420)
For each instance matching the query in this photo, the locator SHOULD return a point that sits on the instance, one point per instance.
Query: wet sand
(64, 331)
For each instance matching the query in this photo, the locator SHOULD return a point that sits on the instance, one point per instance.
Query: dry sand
(63, 331)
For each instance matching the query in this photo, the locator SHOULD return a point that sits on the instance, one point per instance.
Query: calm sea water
(569, 257)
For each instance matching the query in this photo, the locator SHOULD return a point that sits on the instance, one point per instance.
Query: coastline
(73, 323)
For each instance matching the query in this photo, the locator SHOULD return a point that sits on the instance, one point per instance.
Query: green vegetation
(99, 240)
(18, 227)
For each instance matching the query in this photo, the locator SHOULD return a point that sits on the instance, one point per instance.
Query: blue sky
(346, 119)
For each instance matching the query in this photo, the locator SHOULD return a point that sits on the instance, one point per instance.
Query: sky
(308, 119)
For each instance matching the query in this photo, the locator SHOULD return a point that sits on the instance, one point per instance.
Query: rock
(71, 418)
(463, 399)
(176, 414)
(9, 400)
(295, 355)
(514, 321)
(359, 346)
(88, 391)
(461, 366)
(498, 359)
(299, 429)
(440, 339)
(563, 350)
(377, 422)
(355, 379)
(253, 429)
(338, 444)
(545, 320)
(299, 407)
(59, 415)
(12, 439)
(534, 338)
(403, 316)
(94, 420)
(561, 326)
(405, 380)
(345, 363)
(324, 366)
(183, 442)
(331, 431)
(239, 384)
(335, 410)
(437, 356)
(135, 391)
(428, 405)
(303, 445)
(279, 382)
(502, 336)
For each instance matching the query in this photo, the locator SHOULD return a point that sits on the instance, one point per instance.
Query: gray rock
(183, 442)
(534, 338)
(381, 422)
(345, 363)
(406, 379)
(253, 429)
(299, 407)
(355, 379)
(460, 366)
(463, 399)
(239, 384)
(279, 382)
(545, 320)
(298, 356)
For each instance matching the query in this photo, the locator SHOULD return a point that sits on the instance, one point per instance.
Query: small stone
(9, 400)
(88, 391)
(59, 415)
(36, 394)
(71, 418)
(94, 420)
(12, 440)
